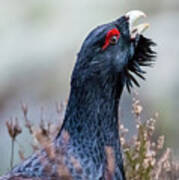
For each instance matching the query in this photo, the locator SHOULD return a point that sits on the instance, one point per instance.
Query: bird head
(113, 49)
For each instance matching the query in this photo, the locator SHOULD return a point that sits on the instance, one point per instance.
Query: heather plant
(145, 157)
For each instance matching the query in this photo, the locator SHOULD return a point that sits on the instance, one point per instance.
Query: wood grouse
(88, 145)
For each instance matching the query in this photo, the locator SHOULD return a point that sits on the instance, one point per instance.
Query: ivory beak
(133, 16)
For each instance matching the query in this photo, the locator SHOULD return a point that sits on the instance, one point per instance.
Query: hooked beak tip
(132, 17)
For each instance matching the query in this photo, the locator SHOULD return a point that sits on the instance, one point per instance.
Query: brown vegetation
(145, 158)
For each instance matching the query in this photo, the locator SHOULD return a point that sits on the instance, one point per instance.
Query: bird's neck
(92, 112)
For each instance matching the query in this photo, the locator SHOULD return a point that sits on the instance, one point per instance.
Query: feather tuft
(144, 56)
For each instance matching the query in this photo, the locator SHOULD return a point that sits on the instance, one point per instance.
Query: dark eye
(112, 37)
(113, 40)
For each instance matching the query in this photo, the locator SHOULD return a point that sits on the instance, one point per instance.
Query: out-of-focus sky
(39, 41)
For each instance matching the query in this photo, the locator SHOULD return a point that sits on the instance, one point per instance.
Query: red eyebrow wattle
(110, 33)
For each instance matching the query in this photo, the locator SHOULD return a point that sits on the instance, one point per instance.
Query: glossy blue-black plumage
(91, 118)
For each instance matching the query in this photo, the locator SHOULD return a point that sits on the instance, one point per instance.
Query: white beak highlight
(133, 16)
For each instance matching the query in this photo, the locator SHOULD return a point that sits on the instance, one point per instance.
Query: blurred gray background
(39, 41)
